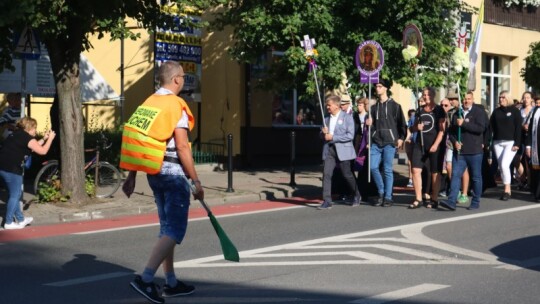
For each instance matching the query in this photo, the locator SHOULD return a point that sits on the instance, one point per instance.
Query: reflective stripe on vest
(140, 152)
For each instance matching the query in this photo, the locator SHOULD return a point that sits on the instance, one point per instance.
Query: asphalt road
(296, 254)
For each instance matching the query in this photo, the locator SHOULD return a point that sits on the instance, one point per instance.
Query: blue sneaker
(446, 205)
(325, 206)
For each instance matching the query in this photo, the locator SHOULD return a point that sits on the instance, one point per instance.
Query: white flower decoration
(460, 60)
(409, 53)
(535, 3)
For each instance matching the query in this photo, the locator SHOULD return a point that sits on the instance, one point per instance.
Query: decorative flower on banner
(460, 60)
(311, 58)
(409, 53)
(314, 54)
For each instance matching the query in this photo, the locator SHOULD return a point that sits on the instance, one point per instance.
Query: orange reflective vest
(145, 134)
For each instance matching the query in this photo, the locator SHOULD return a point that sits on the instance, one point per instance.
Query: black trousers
(535, 183)
(328, 171)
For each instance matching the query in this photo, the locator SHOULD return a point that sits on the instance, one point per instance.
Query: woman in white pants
(506, 127)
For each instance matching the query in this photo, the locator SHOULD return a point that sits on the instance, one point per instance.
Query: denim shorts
(171, 193)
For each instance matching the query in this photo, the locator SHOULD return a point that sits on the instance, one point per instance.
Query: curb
(57, 214)
(250, 186)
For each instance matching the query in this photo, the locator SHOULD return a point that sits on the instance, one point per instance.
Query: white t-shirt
(170, 168)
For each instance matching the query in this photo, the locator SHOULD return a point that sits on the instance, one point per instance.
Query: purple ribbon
(312, 64)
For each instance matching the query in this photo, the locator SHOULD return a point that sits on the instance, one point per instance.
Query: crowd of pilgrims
(506, 153)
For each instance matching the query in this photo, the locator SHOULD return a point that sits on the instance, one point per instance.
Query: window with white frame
(496, 77)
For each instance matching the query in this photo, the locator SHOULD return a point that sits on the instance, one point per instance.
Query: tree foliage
(531, 72)
(65, 27)
(339, 26)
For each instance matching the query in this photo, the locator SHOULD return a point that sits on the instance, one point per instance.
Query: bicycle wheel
(109, 179)
(46, 175)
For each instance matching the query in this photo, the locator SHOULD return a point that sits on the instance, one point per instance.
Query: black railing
(208, 153)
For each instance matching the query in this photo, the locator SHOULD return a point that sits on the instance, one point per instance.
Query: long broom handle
(230, 253)
(194, 190)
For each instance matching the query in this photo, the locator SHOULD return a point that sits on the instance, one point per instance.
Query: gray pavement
(247, 186)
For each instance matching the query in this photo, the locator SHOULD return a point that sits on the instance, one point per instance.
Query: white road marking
(191, 220)
(379, 261)
(416, 234)
(517, 265)
(401, 294)
(89, 279)
(116, 229)
(412, 236)
(386, 247)
(356, 254)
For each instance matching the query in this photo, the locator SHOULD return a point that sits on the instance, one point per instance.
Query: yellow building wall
(515, 44)
(138, 77)
(222, 85)
(223, 96)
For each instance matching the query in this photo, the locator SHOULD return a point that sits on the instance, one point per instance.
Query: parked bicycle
(106, 177)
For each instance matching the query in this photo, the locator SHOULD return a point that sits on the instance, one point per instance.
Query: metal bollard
(230, 163)
(292, 183)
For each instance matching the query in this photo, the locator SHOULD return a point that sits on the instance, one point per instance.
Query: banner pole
(460, 114)
(318, 93)
(418, 113)
(369, 129)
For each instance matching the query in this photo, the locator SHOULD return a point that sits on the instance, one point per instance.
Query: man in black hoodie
(467, 136)
(388, 130)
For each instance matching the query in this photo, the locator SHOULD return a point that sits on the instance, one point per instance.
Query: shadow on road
(524, 252)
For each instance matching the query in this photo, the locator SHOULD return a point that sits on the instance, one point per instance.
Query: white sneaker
(27, 221)
(410, 184)
(14, 226)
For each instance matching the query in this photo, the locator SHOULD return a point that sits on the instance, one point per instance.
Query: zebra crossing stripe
(400, 294)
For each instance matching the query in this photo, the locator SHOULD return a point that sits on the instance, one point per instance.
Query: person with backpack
(155, 141)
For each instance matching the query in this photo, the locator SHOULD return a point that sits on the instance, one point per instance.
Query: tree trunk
(66, 75)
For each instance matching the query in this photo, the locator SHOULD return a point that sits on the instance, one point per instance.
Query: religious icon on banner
(413, 37)
(369, 60)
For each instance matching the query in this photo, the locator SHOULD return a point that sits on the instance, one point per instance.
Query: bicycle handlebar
(103, 142)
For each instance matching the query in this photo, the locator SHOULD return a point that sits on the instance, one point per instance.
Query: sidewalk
(247, 186)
